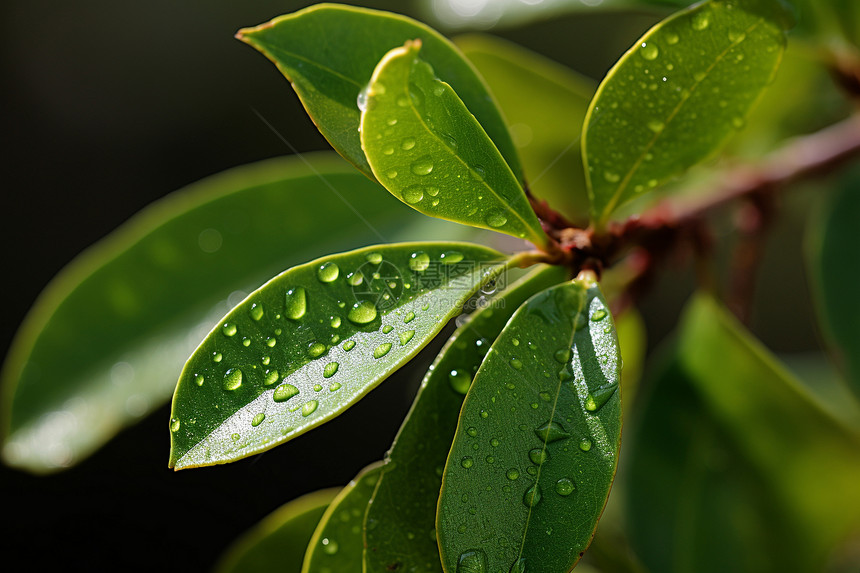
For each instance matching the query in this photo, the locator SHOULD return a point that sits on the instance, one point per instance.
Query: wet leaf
(677, 95)
(329, 76)
(106, 340)
(537, 442)
(403, 512)
(430, 152)
(832, 254)
(734, 462)
(547, 135)
(337, 543)
(315, 339)
(279, 541)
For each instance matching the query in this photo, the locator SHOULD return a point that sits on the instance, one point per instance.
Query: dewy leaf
(760, 438)
(279, 541)
(401, 521)
(328, 52)
(315, 339)
(537, 442)
(547, 135)
(337, 543)
(431, 153)
(106, 340)
(832, 255)
(677, 95)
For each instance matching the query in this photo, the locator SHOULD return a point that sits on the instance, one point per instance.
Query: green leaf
(832, 254)
(279, 541)
(676, 96)
(547, 135)
(328, 76)
(734, 463)
(337, 543)
(315, 339)
(403, 512)
(431, 153)
(537, 442)
(106, 340)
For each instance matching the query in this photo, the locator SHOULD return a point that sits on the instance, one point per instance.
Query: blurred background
(110, 105)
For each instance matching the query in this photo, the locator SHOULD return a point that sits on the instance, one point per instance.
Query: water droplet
(174, 425)
(562, 355)
(496, 219)
(256, 311)
(335, 322)
(361, 100)
(532, 496)
(490, 460)
(374, 258)
(545, 396)
(472, 561)
(599, 315)
(271, 341)
(467, 462)
(551, 432)
(515, 341)
(495, 442)
(328, 272)
(284, 392)
(217, 356)
(199, 379)
(422, 165)
(388, 150)
(334, 387)
(517, 363)
(309, 408)
(232, 379)
(316, 349)
(656, 126)
(349, 345)
(585, 444)
(738, 122)
(477, 172)
(407, 144)
(258, 419)
(381, 350)
(538, 456)
(362, 312)
(671, 38)
(229, 329)
(406, 336)
(392, 121)
(484, 413)
(409, 317)
(472, 431)
(701, 21)
(595, 400)
(271, 377)
(387, 328)
(246, 342)
(460, 381)
(451, 257)
(330, 369)
(649, 51)
(564, 487)
(736, 37)
(611, 177)
(513, 474)
(354, 279)
(296, 303)
(413, 194)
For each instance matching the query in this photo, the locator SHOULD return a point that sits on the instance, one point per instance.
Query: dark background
(110, 105)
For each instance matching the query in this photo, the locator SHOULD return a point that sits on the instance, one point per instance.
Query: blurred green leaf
(832, 254)
(733, 462)
(403, 512)
(536, 446)
(313, 341)
(677, 95)
(106, 340)
(547, 134)
(328, 75)
(337, 543)
(279, 541)
(431, 153)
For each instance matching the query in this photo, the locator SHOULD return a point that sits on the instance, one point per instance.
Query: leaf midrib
(622, 187)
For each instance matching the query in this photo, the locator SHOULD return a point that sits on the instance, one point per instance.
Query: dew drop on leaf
(175, 424)
(271, 377)
(585, 444)
(316, 349)
(329, 546)
(328, 272)
(532, 496)
(229, 329)
(199, 379)
(256, 311)
(232, 379)
(562, 355)
(701, 21)
(309, 408)
(381, 350)
(517, 363)
(406, 336)
(451, 257)
(349, 345)
(296, 303)
(330, 369)
(374, 258)
(467, 462)
(284, 392)
(649, 51)
(598, 315)
(354, 279)
(422, 165)
(460, 381)
(413, 194)
(472, 561)
(496, 219)
(419, 261)
(362, 312)
(538, 456)
(258, 419)
(513, 474)
(564, 487)
(387, 328)
(551, 432)
(217, 356)
(472, 431)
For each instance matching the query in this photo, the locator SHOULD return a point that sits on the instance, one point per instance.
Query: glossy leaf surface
(833, 246)
(537, 442)
(279, 541)
(106, 340)
(315, 339)
(329, 75)
(547, 135)
(733, 462)
(425, 147)
(677, 95)
(403, 512)
(337, 543)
